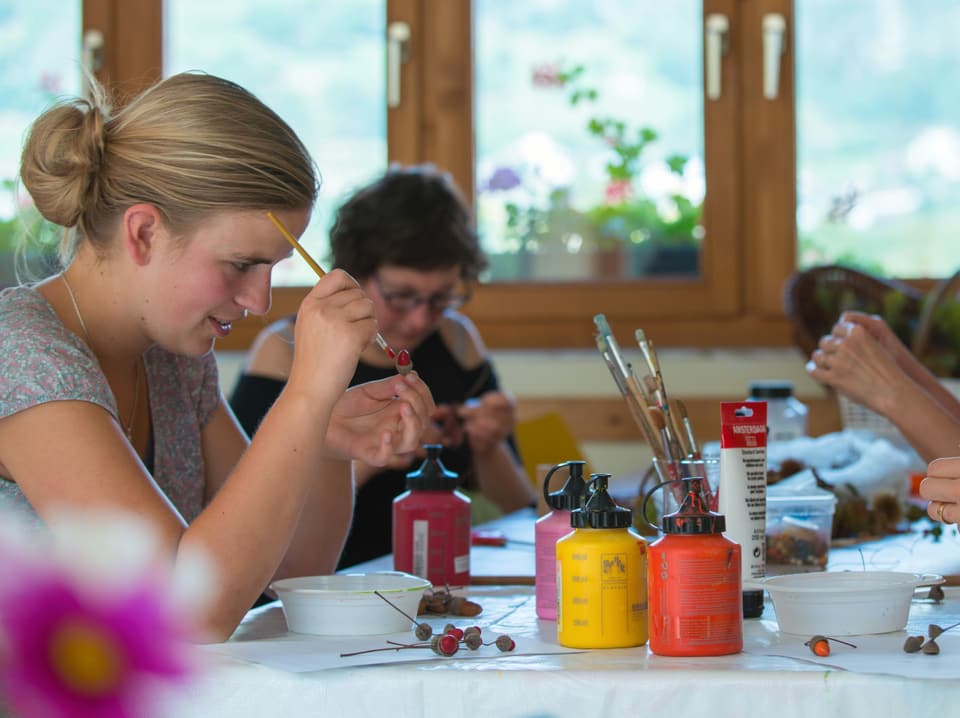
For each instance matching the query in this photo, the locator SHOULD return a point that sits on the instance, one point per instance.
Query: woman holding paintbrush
(168, 241)
(408, 240)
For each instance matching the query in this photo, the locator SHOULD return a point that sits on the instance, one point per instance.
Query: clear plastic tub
(798, 531)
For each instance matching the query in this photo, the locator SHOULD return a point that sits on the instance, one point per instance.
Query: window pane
(319, 64)
(878, 138)
(589, 133)
(41, 39)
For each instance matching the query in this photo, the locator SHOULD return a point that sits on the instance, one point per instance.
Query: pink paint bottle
(431, 525)
(550, 528)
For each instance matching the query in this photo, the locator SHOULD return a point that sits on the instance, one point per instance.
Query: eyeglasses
(406, 300)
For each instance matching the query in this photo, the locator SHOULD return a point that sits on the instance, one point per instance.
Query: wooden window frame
(749, 209)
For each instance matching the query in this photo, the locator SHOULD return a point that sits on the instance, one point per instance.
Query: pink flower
(547, 75)
(70, 649)
(618, 191)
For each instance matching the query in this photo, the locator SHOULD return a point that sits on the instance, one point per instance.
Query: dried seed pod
(456, 633)
(931, 648)
(913, 644)
(460, 606)
(933, 630)
(437, 604)
(472, 640)
(472, 629)
(424, 631)
(448, 645)
(448, 627)
(819, 645)
(505, 643)
(936, 593)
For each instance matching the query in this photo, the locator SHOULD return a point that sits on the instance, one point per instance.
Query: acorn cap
(432, 474)
(600, 511)
(570, 497)
(693, 517)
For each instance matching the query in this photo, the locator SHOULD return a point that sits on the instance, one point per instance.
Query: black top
(371, 533)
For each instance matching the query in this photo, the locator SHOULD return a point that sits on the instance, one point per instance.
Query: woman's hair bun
(62, 160)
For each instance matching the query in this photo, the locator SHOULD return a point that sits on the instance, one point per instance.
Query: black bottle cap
(693, 517)
(774, 389)
(432, 474)
(570, 497)
(600, 511)
(752, 603)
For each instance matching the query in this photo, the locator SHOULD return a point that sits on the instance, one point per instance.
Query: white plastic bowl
(845, 603)
(346, 605)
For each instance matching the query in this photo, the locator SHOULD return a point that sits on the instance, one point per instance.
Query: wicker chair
(814, 299)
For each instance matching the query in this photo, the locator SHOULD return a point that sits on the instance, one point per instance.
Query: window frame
(749, 208)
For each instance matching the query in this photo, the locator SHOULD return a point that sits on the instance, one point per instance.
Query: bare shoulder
(462, 339)
(272, 352)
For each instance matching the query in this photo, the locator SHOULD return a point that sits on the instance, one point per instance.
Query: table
(266, 671)
(775, 675)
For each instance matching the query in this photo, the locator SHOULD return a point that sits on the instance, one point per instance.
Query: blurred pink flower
(70, 649)
(50, 82)
(618, 191)
(548, 75)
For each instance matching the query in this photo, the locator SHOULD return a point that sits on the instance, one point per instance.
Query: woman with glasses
(407, 239)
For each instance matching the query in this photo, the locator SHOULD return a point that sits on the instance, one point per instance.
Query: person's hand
(877, 328)
(334, 324)
(447, 429)
(381, 423)
(854, 362)
(487, 420)
(942, 488)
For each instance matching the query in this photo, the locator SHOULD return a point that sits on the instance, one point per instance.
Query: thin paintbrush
(627, 382)
(381, 342)
(638, 408)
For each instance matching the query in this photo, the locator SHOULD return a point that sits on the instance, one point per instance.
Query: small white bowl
(346, 605)
(847, 603)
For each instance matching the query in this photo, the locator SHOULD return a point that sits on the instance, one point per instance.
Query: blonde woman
(108, 385)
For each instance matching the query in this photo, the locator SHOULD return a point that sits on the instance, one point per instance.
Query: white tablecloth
(774, 676)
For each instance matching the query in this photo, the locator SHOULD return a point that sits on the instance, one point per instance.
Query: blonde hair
(192, 145)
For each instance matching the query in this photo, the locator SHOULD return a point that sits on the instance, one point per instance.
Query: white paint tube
(743, 489)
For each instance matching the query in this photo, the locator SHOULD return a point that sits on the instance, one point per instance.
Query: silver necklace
(128, 429)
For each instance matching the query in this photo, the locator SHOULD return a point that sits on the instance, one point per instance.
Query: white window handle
(398, 35)
(774, 28)
(717, 26)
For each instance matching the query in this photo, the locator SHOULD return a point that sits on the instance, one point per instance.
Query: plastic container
(693, 580)
(798, 530)
(847, 603)
(552, 527)
(786, 415)
(601, 575)
(431, 525)
(346, 605)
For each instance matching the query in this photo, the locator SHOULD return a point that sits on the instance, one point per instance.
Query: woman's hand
(855, 360)
(488, 420)
(334, 324)
(381, 423)
(942, 488)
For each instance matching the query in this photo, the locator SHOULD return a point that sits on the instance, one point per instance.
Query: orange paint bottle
(694, 581)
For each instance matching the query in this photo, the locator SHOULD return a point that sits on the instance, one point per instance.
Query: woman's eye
(240, 266)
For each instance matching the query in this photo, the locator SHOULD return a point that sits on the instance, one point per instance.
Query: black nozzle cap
(432, 475)
(600, 511)
(570, 497)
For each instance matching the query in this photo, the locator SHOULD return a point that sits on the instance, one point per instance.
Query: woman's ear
(142, 227)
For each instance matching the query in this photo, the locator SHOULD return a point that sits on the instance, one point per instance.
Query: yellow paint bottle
(601, 576)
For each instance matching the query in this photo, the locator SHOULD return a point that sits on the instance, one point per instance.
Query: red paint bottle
(693, 581)
(431, 525)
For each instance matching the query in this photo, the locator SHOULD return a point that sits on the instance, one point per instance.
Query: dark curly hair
(413, 217)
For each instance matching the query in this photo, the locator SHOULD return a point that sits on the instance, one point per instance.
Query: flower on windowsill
(93, 623)
(538, 213)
